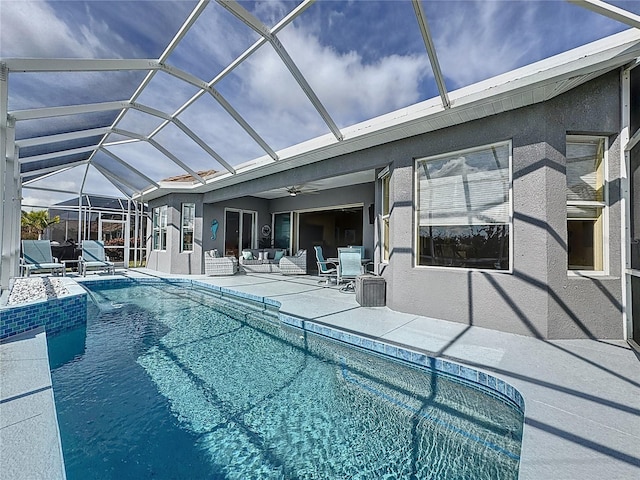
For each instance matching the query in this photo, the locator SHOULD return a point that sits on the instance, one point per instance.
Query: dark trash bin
(371, 291)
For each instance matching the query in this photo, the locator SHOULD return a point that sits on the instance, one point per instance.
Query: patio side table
(371, 291)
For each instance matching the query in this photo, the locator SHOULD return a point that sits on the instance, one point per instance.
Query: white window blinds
(584, 172)
(468, 189)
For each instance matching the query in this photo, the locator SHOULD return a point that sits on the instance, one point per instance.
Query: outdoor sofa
(273, 260)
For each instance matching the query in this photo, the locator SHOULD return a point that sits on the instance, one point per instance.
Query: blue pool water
(171, 382)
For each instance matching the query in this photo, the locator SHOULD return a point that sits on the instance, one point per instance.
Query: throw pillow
(247, 255)
(300, 252)
(261, 256)
(279, 254)
(216, 253)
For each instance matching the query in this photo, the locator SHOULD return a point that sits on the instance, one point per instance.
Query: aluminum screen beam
(242, 122)
(610, 11)
(10, 189)
(51, 170)
(49, 112)
(248, 19)
(115, 178)
(246, 54)
(42, 177)
(39, 65)
(184, 29)
(163, 150)
(47, 189)
(206, 87)
(186, 130)
(127, 165)
(295, 13)
(62, 137)
(431, 51)
(60, 153)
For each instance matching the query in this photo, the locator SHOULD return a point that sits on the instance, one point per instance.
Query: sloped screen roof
(127, 94)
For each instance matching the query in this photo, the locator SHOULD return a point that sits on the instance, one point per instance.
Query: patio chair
(324, 268)
(367, 264)
(37, 256)
(216, 265)
(93, 256)
(349, 267)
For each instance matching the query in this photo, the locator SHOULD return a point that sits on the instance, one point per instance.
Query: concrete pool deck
(582, 397)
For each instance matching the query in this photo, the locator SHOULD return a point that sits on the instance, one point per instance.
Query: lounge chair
(349, 267)
(325, 269)
(37, 256)
(93, 256)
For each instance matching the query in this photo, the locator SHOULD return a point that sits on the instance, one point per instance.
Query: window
(186, 230)
(464, 208)
(160, 228)
(385, 180)
(586, 202)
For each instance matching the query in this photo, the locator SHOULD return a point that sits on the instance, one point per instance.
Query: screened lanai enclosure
(137, 100)
(120, 224)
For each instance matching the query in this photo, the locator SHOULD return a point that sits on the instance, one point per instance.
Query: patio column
(10, 189)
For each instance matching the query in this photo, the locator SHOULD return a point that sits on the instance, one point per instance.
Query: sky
(362, 58)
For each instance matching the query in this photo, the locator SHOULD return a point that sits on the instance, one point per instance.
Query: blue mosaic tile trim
(55, 315)
(481, 380)
(119, 282)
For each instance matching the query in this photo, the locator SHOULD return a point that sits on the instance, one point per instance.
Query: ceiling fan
(296, 190)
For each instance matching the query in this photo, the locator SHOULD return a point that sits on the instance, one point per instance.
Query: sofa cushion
(278, 255)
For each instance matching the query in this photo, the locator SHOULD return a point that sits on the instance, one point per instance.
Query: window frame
(604, 205)
(416, 209)
(159, 229)
(187, 228)
(385, 215)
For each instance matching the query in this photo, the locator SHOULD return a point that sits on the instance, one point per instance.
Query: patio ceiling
(116, 97)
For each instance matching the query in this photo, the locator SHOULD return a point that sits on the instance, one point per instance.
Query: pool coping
(29, 432)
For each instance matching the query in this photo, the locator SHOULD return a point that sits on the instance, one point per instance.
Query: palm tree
(35, 222)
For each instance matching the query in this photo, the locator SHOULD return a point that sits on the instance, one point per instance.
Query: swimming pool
(168, 381)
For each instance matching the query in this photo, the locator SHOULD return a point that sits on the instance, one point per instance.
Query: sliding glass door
(282, 230)
(239, 231)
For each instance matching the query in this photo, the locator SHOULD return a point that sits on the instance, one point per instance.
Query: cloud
(32, 29)
(477, 40)
(472, 45)
(351, 89)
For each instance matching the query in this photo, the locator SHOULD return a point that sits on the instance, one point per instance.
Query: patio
(581, 396)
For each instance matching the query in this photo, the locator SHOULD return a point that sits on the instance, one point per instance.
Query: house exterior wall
(539, 298)
(172, 260)
(216, 211)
